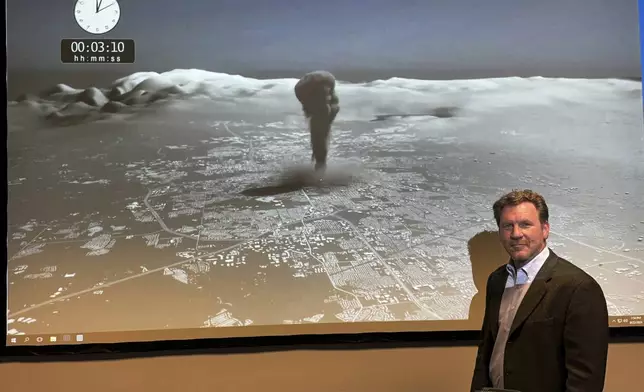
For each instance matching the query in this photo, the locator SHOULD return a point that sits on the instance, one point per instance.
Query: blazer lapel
(535, 292)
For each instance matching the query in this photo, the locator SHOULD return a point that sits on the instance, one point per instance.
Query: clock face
(97, 16)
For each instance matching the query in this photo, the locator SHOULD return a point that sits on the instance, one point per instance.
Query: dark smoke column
(316, 93)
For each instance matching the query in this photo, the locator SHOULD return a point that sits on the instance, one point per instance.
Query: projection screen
(161, 183)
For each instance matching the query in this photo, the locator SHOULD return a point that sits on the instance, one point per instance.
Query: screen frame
(263, 343)
(356, 341)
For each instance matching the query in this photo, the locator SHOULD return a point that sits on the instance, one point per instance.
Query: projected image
(182, 191)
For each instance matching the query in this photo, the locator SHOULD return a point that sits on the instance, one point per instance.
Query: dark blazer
(559, 338)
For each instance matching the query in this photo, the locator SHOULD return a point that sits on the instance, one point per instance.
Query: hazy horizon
(34, 81)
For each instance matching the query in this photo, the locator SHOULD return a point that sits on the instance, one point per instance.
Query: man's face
(522, 234)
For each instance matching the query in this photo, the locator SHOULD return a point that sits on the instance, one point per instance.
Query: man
(545, 326)
(316, 93)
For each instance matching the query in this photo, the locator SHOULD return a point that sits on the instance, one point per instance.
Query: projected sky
(290, 34)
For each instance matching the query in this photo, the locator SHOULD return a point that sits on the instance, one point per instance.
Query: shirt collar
(529, 270)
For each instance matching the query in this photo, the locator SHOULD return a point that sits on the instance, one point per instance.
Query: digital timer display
(93, 51)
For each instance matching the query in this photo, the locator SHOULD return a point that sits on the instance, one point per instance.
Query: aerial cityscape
(182, 212)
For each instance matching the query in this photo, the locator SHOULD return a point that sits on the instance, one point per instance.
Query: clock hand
(107, 6)
(98, 5)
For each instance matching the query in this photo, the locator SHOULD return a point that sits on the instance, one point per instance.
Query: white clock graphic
(97, 16)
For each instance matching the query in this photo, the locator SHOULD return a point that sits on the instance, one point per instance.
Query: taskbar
(39, 340)
(234, 332)
(242, 332)
(123, 337)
